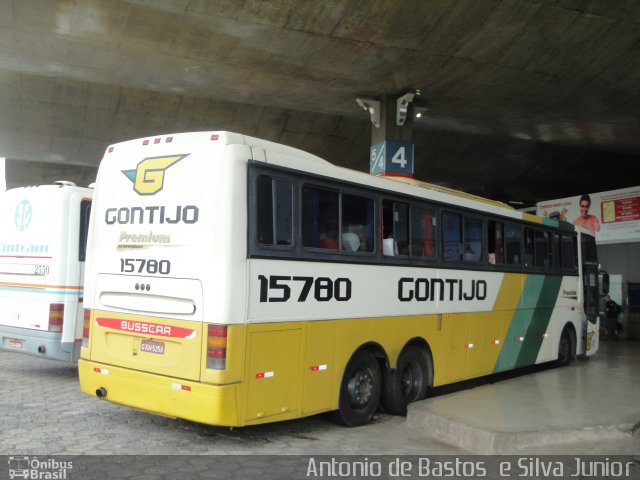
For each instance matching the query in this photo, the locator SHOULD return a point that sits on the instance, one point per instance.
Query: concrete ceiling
(528, 99)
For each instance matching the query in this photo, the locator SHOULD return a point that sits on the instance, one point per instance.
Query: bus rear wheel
(359, 390)
(407, 383)
(567, 347)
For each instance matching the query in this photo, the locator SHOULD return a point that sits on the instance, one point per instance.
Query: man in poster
(586, 220)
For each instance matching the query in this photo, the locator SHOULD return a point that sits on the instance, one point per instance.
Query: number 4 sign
(392, 158)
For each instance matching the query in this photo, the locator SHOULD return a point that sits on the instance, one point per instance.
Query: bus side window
(274, 211)
(556, 248)
(423, 233)
(542, 249)
(472, 239)
(528, 247)
(568, 252)
(395, 228)
(495, 242)
(357, 217)
(320, 218)
(452, 236)
(513, 244)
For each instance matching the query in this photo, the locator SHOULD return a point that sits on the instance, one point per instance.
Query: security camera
(402, 107)
(373, 107)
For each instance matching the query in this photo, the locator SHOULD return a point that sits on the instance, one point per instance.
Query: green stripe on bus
(540, 320)
(530, 320)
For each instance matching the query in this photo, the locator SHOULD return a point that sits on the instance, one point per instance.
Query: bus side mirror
(605, 283)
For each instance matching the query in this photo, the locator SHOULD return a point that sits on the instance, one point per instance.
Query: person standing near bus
(586, 220)
(611, 310)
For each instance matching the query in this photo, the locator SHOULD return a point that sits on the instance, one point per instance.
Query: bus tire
(407, 383)
(567, 347)
(359, 390)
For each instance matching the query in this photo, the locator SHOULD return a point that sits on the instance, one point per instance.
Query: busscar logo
(148, 176)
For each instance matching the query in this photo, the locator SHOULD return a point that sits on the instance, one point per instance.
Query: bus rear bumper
(37, 343)
(166, 396)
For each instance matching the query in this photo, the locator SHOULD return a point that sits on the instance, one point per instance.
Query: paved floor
(590, 408)
(559, 410)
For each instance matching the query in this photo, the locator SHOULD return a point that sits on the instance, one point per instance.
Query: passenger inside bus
(350, 242)
(389, 247)
(361, 232)
(329, 239)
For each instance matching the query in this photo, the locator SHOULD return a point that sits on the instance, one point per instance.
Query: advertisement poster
(613, 216)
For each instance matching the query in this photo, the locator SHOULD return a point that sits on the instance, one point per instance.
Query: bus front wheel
(407, 383)
(567, 347)
(359, 390)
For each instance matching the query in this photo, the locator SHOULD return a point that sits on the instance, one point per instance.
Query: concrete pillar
(391, 151)
(389, 130)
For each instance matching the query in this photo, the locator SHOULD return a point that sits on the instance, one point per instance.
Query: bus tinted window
(423, 233)
(335, 221)
(320, 218)
(542, 249)
(528, 247)
(495, 242)
(589, 252)
(275, 211)
(472, 239)
(395, 228)
(357, 218)
(513, 244)
(452, 236)
(556, 249)
(569, 252)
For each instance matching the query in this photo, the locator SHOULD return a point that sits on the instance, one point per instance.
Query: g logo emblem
(23, 215)
(148, 177)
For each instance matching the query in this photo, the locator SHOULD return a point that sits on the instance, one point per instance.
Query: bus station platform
(593, 404)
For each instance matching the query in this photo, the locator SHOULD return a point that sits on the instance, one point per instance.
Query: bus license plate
(15, 343)
(152, 346)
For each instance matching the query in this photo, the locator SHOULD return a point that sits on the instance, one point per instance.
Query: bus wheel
(407, 383)
(567, 347)
(359, 390)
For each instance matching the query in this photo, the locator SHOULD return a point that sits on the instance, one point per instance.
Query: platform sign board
(613, 216)
(393, 158)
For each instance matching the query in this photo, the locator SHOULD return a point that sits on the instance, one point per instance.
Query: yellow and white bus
(43, 238)
(234, 281)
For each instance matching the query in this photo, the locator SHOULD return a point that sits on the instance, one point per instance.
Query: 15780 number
(277, 288)
(143, 265)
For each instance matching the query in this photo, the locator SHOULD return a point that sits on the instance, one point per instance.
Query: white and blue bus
(43, 239)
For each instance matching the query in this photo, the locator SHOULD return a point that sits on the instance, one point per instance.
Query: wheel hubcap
(361, 388)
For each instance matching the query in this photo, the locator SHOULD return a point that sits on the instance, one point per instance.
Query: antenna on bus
(64, 183)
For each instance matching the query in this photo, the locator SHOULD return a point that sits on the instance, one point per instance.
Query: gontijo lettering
(431, 289)
(187, 214)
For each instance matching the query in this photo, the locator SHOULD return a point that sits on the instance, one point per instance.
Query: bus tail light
(217, 346)
(56, 317)
(86, 320)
